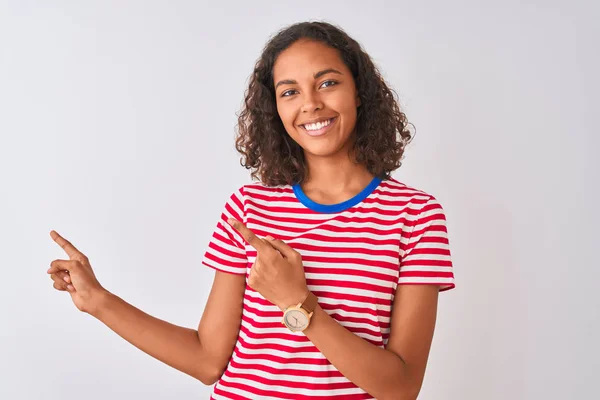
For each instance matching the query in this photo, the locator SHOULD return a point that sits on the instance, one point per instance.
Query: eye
(330, 81)
(286, 93)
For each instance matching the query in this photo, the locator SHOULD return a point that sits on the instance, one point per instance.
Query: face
(316, 98)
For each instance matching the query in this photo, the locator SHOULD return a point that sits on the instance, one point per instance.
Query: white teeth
(317, 126)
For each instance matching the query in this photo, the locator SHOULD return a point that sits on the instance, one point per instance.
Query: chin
(322, 151)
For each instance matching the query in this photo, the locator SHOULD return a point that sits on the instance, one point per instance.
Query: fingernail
(70, 287)
(269, 237)
(230, 221)
(66, 279)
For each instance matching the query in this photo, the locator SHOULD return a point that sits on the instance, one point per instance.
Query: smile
(318, 128)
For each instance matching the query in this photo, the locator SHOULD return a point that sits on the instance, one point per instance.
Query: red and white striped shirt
(354, 254)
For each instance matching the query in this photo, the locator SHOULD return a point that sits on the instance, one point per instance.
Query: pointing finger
(285, 249)
(65, 244)
(247, 234)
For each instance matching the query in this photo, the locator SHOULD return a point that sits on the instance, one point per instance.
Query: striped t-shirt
(354, 254)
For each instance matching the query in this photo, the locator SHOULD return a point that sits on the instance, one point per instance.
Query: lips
(321, 131)
(316, 120)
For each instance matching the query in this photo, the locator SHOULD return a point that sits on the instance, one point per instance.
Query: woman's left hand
(277, 273)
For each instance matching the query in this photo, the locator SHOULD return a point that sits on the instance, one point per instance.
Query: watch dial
(295, 320)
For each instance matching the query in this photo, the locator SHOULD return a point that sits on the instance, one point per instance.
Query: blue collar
(335, 208)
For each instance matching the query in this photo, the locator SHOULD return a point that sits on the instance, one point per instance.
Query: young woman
(328, 269)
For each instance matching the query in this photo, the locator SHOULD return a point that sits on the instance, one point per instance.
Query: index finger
(65, 244)
(247, 234)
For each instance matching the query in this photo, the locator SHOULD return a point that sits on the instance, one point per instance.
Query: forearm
(176, 346)
(378, 371)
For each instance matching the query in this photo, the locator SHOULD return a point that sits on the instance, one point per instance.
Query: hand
(75, 276)
(277, 273)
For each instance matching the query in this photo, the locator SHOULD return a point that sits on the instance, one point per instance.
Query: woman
(327, 270)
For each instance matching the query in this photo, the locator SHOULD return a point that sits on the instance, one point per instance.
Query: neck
(337, 177)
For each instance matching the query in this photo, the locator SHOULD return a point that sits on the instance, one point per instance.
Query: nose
(312, 102)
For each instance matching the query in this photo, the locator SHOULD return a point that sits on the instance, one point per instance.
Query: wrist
(99, 301)
(294, 300)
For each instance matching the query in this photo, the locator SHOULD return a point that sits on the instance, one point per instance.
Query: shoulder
(400, 191)
(408, 201)
(258, 190)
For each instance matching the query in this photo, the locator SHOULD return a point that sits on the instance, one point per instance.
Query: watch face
(295, 320)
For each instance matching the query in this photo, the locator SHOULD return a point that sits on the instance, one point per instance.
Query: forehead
(305, 57)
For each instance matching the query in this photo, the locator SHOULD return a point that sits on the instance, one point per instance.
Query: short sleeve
(425, 257)
(226, 250)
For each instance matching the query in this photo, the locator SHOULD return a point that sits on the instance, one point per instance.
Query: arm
(174, 345)
(220, 323)
(201, 353)
(395, 372)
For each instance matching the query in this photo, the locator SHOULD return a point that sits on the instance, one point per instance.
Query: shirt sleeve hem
(221, 269)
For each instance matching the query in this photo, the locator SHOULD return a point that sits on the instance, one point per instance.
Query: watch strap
(310, 303)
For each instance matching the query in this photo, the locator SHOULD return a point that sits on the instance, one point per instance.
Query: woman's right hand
(76, 276)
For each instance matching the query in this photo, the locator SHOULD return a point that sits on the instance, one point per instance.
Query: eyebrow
(317, 75)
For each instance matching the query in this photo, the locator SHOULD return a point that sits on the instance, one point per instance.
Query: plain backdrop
(117, 130)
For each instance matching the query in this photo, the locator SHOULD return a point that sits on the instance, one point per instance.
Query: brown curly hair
(274, 157)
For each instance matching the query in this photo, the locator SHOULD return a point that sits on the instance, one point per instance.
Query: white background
(117, 124)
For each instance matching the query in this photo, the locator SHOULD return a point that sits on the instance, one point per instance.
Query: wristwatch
(297, 318)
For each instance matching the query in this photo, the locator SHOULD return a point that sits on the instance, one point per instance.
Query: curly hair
(274, 157)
